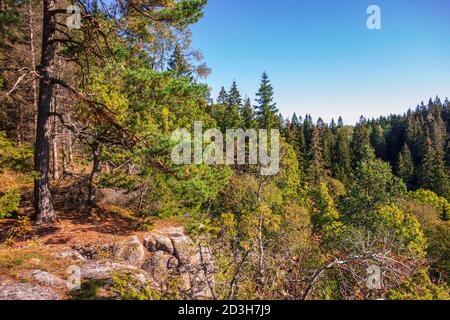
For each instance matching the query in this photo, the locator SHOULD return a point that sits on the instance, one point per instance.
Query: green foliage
(405, 165)
(11, 156)
(266, 110)
(9, 203)
(420, 287)
(129, 288)
(406, 228)
(373, 186)
(431, 198)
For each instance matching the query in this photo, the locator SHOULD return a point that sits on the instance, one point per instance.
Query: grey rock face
(131, 251)
(70, 255)
(27, 291)
(173, 250)
(47, 279)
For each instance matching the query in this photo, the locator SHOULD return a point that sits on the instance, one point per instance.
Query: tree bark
(42, 193)
(33, 66)
(92, 192)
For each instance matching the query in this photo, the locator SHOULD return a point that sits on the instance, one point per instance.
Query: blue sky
(321, 57)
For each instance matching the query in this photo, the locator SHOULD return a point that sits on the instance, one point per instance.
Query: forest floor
(73, 228)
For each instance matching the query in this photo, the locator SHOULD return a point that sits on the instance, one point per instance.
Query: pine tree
(378, 141)
(223, 97)
(234, 96)
(178, 63)
(405, 165)
(360, 146)
(232, 117)
(266, 110)
(433, 175)
(340, 122)
(316, 166)
(341, 157)
(247, 115)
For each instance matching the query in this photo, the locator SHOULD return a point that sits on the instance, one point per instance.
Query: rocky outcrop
(27, 291)
(163, 258)
(173, 251)
(47, 279)
(70, 254)
(131, 251)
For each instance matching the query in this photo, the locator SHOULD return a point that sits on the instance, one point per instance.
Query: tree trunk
(42, 193)
(55, 158)
(92, 192)
(33, 66)
(63, 156)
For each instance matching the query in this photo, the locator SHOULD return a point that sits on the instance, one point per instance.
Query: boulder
(70, 255)
(131, 251)
(157, 266)
(99, 270)
(47, 279)
(158, 242)
(117, 197)
(27, 291)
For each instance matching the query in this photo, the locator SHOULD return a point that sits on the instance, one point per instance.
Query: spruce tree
(360, 146)
(316, 166)
(232, 116)
(178, 63)
(247, 115)
(433, 175)
(341, 157)
(223, 97)
(234, 96)
(266, 110)
(405, 165)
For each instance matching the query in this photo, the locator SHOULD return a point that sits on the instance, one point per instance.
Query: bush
(432, 199)
(9, 203)
(13, 157)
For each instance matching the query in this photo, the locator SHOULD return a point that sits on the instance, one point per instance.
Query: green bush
(9, 203)
(432, 199)
(11, 156)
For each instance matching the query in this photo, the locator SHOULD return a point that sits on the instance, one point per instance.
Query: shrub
(11, 156)
(9, 203)
(432, 199)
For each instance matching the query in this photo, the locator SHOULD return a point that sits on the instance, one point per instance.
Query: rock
(193, 263)
(150, 243)
(183, 249)
(47, 279)
(117, 197)
(107, 269)
(27, 291)
(158, 242)
(70, 255)
(157, 266)
(131, 251)
(95, 252)
(174, 232)
(173, 263)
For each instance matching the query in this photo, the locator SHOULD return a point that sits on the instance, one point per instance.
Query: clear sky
(321, 57)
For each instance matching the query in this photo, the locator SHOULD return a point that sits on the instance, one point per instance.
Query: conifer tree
(405, 165)
(316, 167)
(266, 110)
(247, 114)
(360, 146)
(234, 96)
(223, 97)
(433, 175)
(178, 63)
(342, 161)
